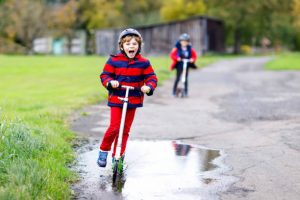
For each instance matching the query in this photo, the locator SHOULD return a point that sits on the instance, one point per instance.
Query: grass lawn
(38, 93)
(289, 61)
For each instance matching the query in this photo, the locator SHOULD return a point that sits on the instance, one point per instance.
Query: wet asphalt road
(252, 116)
(156, 170)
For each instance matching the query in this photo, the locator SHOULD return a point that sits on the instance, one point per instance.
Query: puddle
(156, 170)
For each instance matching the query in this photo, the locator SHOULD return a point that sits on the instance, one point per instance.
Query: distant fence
(207, 34)
(59, 46)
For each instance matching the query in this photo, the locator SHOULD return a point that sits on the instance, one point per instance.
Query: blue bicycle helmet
(185, 37)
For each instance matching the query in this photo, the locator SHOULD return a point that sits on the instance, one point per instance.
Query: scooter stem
(121, 130)
(185, 62)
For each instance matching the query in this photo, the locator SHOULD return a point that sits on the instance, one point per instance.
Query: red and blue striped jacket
(136, 73)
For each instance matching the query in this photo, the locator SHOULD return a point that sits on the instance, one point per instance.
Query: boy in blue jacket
(182, 50)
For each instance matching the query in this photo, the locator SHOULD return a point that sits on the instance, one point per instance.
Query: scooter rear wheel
(180, 93)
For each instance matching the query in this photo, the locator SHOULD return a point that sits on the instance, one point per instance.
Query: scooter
(180, 88)
(118, 161)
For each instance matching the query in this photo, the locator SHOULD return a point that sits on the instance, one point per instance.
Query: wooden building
(207, 35)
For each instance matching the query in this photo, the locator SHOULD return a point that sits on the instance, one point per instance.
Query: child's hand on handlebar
(192, 60)
(145, 89)
(114, 84)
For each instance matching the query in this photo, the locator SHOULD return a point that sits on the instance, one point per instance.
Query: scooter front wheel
(115, 172)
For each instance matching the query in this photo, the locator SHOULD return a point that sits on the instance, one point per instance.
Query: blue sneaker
(102, 159)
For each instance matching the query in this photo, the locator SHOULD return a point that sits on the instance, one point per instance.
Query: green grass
(38, 93)
(288, 61)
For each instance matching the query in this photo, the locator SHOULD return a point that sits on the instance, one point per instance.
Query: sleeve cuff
(151, 90)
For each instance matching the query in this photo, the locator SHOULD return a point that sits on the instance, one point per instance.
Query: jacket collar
(178, 45)
(124, 57)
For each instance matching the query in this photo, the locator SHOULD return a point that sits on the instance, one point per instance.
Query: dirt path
(235, 106)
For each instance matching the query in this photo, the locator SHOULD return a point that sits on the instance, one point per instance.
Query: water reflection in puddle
(205, 156)
(156, 170)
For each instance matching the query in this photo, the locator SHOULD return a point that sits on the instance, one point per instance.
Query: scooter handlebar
(109, 86)
(185, 60)
(129, 87)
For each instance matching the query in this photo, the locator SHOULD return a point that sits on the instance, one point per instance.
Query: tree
(254, 19)
(296, 22)
(23, 21)
(100, 13)
(181, 9)
(238, 17)
(276, 21)
(5, 22)
(95, 14)
(141, 12)
(63, 20)
(296, 14)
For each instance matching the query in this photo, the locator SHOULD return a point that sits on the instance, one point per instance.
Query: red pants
(112, 132)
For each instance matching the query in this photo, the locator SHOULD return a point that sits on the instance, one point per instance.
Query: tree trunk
(70, 37)
(237, 41)
(90, 44)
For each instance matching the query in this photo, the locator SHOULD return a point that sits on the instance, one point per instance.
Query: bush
(297, 42)
(10, 47)
(246, 49)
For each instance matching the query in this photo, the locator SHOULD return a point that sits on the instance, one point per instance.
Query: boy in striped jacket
(125, 68)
